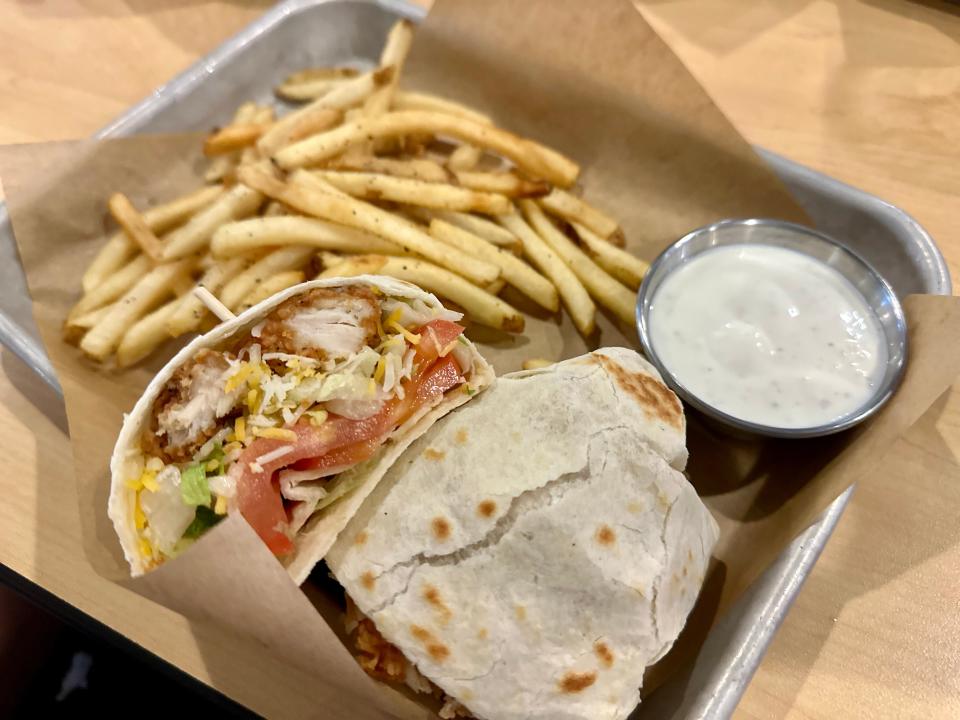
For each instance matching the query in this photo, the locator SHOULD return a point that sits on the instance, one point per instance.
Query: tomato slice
(434, 337)
(337, 443)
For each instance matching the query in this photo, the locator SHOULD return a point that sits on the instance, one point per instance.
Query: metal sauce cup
(875, 290)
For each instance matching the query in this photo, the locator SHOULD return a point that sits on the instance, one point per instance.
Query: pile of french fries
(363, 178)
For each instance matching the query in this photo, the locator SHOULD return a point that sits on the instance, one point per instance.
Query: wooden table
(866, 91)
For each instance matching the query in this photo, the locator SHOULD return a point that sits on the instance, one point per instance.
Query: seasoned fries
(513, 270)
(363, 177)
(604, 289)
(270, 232)
(134, 225)
(574, 295)
(403, 100)
(574, 209)
(480, 305)
(371, 186)
(531, 157)
(625, 267)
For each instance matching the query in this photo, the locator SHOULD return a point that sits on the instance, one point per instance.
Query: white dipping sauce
(768, 335)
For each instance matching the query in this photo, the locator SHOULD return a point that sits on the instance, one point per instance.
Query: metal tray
(297, 33)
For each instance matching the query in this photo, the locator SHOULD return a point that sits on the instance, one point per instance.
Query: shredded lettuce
(202, 521)
(194, 488)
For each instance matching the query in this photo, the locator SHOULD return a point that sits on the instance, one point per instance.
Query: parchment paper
(591, 79)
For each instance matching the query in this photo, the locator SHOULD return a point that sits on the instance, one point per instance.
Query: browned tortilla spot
(521, 612)
(441, 528)
(486, 508)
(368, 580)
(482, 634)
(605, 535)
(656, 399)
(574, 682)
(421, 634)
(438, 651)
(432, 454)
(604, 653)
(634, 507)
(461, 436)
(432, 596)
(361, 537)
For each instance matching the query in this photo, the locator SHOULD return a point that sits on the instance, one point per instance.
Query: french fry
(481, 227)
(145, 335)
(371, 186)
(570, 207)
(481, 306)
(133, 224)
(120, 248)
(73, 330)
(221, 167)
(288, 258)
(572, 292)
(190, 312)
(312, 83)
(604, 289)
(394, 54)
(263, 116)
(513, 270)
(239, 202)
(624, 266)
(345, 95)
(415, 168)
(405, 100)
(297, 129)
(503, 183)
(103, 338)
(233, 137)
(112, 287)
(303, 193)
(270, 232)
(320, 73)
(271, 286)
(274, 209)
(496, 286)
(464, 158)
(532, 158)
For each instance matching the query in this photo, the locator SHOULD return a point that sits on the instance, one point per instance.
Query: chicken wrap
(288, 415)
(553, 554)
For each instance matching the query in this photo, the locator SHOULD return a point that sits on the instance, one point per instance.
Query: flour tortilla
(315, 538)
(535, 551)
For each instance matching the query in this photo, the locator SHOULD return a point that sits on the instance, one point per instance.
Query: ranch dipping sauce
(768, 335)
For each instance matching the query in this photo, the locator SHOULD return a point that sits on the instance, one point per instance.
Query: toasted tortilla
(315, 538)
(535, 551)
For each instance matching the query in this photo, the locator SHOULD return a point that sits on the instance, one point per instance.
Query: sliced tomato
(341, 458)
(337, 443)
(434, 337)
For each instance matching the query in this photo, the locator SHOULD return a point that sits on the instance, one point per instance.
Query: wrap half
(289, 414)
(554, 552)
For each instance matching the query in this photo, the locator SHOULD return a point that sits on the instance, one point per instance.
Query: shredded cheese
(240, 429)
(145, 548)
(269, 457)
(317, 417)
(139, 519)
(213, 465)
(381, 369)
(372, 388)
(451, 346)
(134, 484)
(275, 433)
(238, 378)
(253, 397)
(149, 481)
(220, 506)
(412, 338)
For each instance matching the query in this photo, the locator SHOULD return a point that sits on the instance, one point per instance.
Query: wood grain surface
(867, 91)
